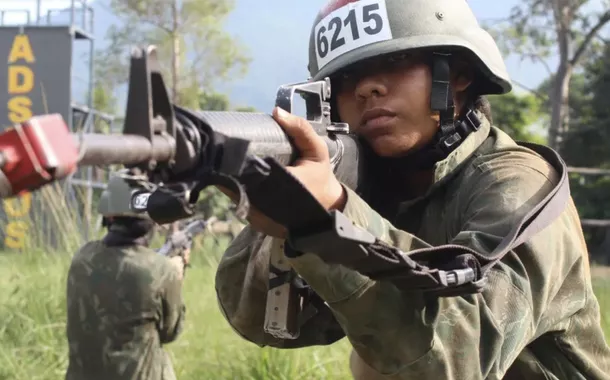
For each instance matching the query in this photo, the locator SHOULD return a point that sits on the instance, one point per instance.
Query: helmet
(116, 198)
(348, 31)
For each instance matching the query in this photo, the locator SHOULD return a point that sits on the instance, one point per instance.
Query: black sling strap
(446, 270)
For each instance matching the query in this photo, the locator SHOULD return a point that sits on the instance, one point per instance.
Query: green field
(32, 326)
(33, 345)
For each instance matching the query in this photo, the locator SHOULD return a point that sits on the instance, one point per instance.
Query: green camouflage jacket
(537, 319)
(123, 304)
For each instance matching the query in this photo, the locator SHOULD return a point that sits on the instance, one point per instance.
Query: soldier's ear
(462, 75)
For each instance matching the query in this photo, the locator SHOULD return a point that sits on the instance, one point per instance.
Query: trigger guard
(243, 203)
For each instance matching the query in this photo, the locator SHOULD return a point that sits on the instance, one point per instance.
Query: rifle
(181, 152)
(182, 239)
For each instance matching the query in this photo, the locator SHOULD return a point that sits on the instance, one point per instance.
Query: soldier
(408, 76)
(124, 300)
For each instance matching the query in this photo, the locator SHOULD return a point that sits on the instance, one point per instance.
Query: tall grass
(32, 323)
(33, 344)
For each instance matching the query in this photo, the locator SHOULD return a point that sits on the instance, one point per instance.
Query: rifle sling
(446, 270)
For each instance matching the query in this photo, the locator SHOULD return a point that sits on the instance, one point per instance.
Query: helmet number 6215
(350, 27)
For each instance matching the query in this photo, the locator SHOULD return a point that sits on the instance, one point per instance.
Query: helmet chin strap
(451, 132)
(441, 96)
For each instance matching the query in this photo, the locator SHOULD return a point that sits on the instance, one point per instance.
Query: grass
(32, 330)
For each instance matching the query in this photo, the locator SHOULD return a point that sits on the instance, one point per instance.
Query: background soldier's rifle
(182, 239)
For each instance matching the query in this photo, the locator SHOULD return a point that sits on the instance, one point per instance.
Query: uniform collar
(447, 168)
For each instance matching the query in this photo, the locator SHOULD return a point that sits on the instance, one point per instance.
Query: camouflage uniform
(537, 319)
(124, 300)
(123, 304)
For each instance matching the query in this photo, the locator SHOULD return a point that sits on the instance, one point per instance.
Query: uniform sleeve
(173, 306)
(242, 282)
(471, 337)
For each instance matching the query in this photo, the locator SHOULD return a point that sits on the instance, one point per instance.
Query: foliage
(541, 29)
(579, 99)
(246, 109)
(515, 115)
(590, 129)
(105, 102)
(193, 49)
(213, 102)
(586, 145)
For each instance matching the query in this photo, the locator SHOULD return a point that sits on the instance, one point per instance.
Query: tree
(589, 129)
(569, 28)
(103, 101)
(194, 51)
(586, 144)
(246, 109)
(515, 115)
(213, 101)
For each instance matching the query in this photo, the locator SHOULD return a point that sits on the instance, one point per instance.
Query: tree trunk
(560, 108)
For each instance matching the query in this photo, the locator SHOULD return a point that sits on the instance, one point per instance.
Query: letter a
(21, 49)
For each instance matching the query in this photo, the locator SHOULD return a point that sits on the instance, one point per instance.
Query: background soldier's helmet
(349, 31)
(116, 198)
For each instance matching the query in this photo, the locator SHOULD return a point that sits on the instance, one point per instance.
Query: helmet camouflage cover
(116, 198)
(349, 31)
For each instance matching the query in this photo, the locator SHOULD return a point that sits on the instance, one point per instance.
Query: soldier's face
(387, 101)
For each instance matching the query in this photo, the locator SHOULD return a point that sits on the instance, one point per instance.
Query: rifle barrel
(101, 149)
(266, 137)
